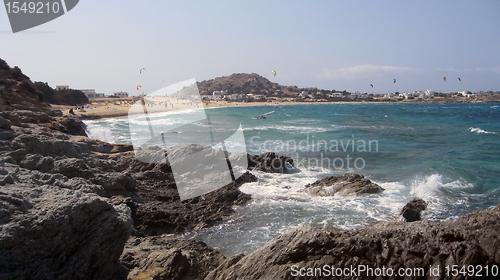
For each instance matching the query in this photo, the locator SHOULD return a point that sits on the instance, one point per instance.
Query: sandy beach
(103, 108)
(120, 107)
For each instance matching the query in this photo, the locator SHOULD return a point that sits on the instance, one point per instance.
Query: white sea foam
(291, 128)
(101, 133)
(479, 130)
(279, 204)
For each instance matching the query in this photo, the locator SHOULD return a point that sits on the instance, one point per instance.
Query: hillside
(243, 83)
(17, 92)
(38, 93)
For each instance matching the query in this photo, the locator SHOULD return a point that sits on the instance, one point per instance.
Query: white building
(62, 87)
(357, 94)
(429, 93)
(304, 94)
(235, 96)
(120, 94)
(423, 95)
(90, 93)
(408, 95)
(419, 94)
(388, 95)
(219, 92)
(256, 96)
(337, 95)
(216, 95)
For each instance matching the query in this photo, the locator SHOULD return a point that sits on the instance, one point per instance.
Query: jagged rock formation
(169, 258)
(412, 210)
(348, 184)
(270, 162)
(471, 240)
(160, 210)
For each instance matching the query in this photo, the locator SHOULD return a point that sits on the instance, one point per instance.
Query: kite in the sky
(394, 80)
(444, 78)
(371, 85)
(140, 71)
(274, 73)
(459, 79)
(138, 87)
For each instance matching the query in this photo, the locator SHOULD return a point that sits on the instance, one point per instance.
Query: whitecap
(101, 133)
(479, 130)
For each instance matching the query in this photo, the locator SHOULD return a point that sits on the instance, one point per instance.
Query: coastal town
(255, 90)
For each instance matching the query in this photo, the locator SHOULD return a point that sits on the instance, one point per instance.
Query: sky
(334, 45)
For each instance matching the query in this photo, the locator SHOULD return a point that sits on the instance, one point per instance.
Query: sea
(445, 153)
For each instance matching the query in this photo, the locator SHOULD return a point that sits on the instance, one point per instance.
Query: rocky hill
(30, 96)
(242, 83)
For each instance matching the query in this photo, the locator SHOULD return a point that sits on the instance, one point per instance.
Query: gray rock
(19, 117)
(5, 123)
(56, 233)
(56, 113)
(472, 240)
(70, 125)
(412, 210)
(169, 258)
(271, 162)
(348, 184)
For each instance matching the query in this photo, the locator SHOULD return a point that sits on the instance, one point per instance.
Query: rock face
(348, 184)
(412, 210)
(471, 240)
(51, 231)
(4, 123)
(167, 258)
(270, 162)
(57, 220)
(160, 210)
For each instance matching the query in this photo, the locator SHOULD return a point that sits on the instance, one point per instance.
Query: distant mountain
(243, 83)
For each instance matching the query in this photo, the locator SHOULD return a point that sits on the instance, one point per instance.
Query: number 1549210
(32, 7)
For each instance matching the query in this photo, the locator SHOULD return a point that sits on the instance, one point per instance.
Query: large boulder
(347, 184)
(412, 210)
(69, 125)
(424, 247)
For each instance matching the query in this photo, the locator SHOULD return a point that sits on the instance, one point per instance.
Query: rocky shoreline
(72, 207)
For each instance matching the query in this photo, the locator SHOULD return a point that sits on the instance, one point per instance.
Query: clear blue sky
(342, 45)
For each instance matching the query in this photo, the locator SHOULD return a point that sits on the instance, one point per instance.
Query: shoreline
(100, 111)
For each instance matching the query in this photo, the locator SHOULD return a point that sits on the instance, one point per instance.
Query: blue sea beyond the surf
(447, 154)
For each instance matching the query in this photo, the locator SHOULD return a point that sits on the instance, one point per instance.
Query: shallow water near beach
(447, 154)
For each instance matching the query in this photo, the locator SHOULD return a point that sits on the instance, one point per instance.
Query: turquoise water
(447, 154)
